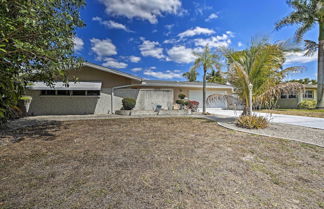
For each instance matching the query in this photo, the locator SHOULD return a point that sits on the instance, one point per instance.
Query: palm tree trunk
(320, 73)
(204, 91)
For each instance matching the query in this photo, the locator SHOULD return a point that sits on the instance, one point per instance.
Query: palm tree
(306, 14)
(206, 60)
(215, 76)
(261, 66)
(191, 75)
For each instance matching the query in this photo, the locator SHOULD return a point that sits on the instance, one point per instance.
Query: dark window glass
(48, 92)
(63, 92)
(283, 96)
(79, 93)
(93, 93)
(291, 96)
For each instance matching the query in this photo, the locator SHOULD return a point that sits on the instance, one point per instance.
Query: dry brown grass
(156, 163)
(317, 113)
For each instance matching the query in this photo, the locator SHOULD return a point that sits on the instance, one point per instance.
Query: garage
(197, 95)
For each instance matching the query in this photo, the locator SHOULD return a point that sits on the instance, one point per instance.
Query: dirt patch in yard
(156, 163)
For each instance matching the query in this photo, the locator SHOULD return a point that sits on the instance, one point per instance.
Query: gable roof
(116, 72)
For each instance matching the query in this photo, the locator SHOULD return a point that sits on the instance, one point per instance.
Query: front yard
(318, 113)
(156, 163)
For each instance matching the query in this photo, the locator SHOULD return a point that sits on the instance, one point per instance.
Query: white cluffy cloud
(212, 16)
(113, 63)
(78, 43)
(169, 74)
(137, 69)
(196, 31)
(299, 57)
(103, 48)
(111, 24)
(143, 9)
(134, 59)
(150, 48)
(181, 54)
(215, 41)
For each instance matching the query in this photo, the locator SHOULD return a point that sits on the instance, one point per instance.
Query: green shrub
(252, 122)
(307, 104)
(128, 103)
(181, 96)
(179, 101)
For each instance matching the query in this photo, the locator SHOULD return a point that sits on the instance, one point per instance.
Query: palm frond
(311, 47)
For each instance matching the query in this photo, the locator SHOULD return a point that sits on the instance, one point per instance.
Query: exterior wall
(78, 105)
(292, 103)
(108, 80)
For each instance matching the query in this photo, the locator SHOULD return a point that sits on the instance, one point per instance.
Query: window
(93, 93)
(291, 96)
(63, 92)
(283, 96)
(48, 92)
(78, 93)
(308, 94)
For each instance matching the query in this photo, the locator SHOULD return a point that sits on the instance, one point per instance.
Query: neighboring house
(100, 90)
(292, 100)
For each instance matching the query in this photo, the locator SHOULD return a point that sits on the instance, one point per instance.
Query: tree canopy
(36, 44)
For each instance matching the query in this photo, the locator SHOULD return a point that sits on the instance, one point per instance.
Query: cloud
(169, 74)
(181, 54)
(144, 9)
(212, 16)
(196, 31)
(298, 57)
(103, 48)
(239, 44)
(78, 43)
(150, 48)
(137, 69)
(216, 41)
(169, 27)
(134, 59)
(111, 62)
(111, 24)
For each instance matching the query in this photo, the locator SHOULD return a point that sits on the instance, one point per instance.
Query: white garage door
(197, 95)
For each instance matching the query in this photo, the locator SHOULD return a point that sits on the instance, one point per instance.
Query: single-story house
(293, 99)
(100, 90)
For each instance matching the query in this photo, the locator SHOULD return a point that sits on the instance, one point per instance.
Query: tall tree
(215, 76)
(306, 14)
(191, 75)
(36, 44)
(206, 60)
(260, 65)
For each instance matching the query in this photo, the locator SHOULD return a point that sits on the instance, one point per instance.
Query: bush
(193, 105)
(179, 101)
(252, 122)
(307, 104)
(128, 103)
(181, 96)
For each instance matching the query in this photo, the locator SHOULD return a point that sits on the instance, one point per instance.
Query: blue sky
(154, 39)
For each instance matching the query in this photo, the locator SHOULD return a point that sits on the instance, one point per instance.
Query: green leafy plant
(252, 122)
(307, 104)
(179, 101)
(36, 44)
(128, 103)
(181, 96)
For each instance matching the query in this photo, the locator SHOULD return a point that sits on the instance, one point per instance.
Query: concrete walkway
(310, 122)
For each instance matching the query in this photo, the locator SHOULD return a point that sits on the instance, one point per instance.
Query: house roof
(104, 69)
(184, 84)
(311, 86)
(62, 86)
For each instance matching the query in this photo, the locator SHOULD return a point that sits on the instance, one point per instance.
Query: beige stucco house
(99, 90)
(292, 100)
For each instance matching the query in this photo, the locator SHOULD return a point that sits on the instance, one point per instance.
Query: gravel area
(284, 131)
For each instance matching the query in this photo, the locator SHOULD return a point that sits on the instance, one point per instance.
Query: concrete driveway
(310, 122)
